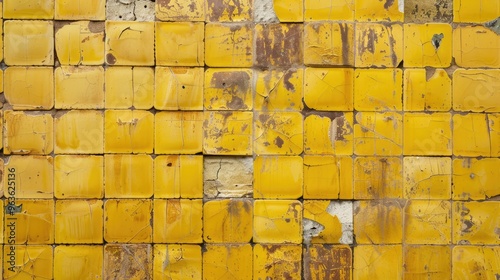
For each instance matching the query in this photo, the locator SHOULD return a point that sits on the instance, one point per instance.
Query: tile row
(385, 221)
(143, 261)
(247, 133)
(265, 177)
(326, 43)
(294, 89)
(259, 11)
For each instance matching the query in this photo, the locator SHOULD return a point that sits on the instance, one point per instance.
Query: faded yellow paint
(79, 221)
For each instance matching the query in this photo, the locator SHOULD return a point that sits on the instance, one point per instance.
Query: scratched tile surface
(251, 139)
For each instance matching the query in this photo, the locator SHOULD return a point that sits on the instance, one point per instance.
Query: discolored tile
(378, 222)
(379, 44)
(277, 221)
(79, 132)
(80, 42)
(227, 133)
(426, 90)
(225, 261)
(379, 134)
(329, 43)
(378, 177)
(128, 176)
(323, 261)
(177, 221)
(432, 262)
(278, 133)
(279, 90)
(228, 221)
(427, 178)
(78, 176)
(28, 133)
(476, 222)
(228, 89)
(225, 177)
(326, 221)
(328, 133)
(79, 221)
(419, 11)
(475, 179)
(128, 261)
(278, 44)
(277, 261)
(228, 45)
(173, 260)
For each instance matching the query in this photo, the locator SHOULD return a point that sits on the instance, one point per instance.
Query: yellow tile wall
(264, 139)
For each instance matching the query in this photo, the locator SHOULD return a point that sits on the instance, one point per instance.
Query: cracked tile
(129, 87)
(33, 177)
(34, 222)
(475, 261)
(227, 177)
(329, 43)
(328, 177)
(368, 10)
(80, 42)
(476, 223)
(278, 133)
(278, 44)
(279, 90)
(177, 261)
(79, 221)
(20, 82)
(379, 134)
(476, 46)
(333, 10)
(278, 177)
(33, 261)
(130, 43)
(378, 89)
(128, 221)
(227, 133)
(228, 89)
(475, 10)
(476, 135)
(78, 261)
(378, 222)
(326, 221)
(179, 43)
(427, 222)
(476, 179)
(178, 88)
(228, 45)
(329, 89)
(128, 261)
(432, 262)
(277, 261)
(78, 176)
(227, 221)
(476, 90)
(177, 221)
(178, 132)
(328, 133)
(427, 90)
(378, 177)
(427, 44)
(378, 262)
(178, 176)
(26, 133)
(428, 134)
(277, 221)
(379, 44)
(427, 178)
(225, 262)
(324, 261)
(79, 87)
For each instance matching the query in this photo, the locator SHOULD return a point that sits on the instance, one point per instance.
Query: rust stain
(278, 142)
(279, 45)
(110, 59)
(388, 4)
(96, 26)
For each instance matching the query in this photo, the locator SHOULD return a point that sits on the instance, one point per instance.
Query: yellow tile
(179, 10)
(378, 222)
(427, 177)
(476, 222)
(476, 135)
(29, 221)
(378, 133)
(130, 43)
(228, 45)
(379, 44)
(221, 10)
(328, 177)
(128, 221)
(429, 262)
(329, 89)
(78, 262)
(279, 90)
(227, 133)
(178, 132)
(278, 44)
(1, 38)
(29, 177)
(20, 83)
(227, 262)
(28, 9)
(277, 221)
(277, 261)
(80, 42)
(30, 262)
(80, 9)
(329, 43)
(378, 262)
(327, 221)
(79, 132)
(178, 88)
(327, 262)
(28, 134)
(178, 176)
(476, 90)
(79, 221)
(368, 10)
(29, 42)
(278, 133)
(289, 11)
(177, 262)
(227, 221)
(228, 89)
(177, 221)
(128, 131)
(427, 222)
(321, 10)
(278, 177)
(78, 176)
(79, 87)
(475, 262)
(476, 46)
(129, 88)
(427, 134)
(378, 89)
(328, 133)
(128, 261)
(427, 44)
(179, 43)
(476, 179)
(378, 177)
(426, 90)
(6, 180)
(475, 10)
(128, 176)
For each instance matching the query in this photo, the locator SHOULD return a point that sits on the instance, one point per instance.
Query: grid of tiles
(265, 139)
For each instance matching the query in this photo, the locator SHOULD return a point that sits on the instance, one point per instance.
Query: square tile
(278, 133)
(79, 87)
(225, 177)
(179, 10)
(78, 262)
(378, 133)
(277, 261)
(278, 44)
(228, 89)
(178, 88)
(378, 89)
(431, 262)
(328, 177)
(368, 10)
(228, 11)
(178, 176)
(476, 222)
(180, 43)
(427, 222)
(378, 177)
(476, 135)
(177, 261)
(28, 42)
(25, 133)
(225, 262)
(427, 44)
(476, 179)
(177, 221)
(476, 90)
(127, 221)
(289, 10)
(475, 261)
(427, 178)
(329, 43)
(475, 11)
(328, 133)
(426, 90)
(80, 9)
(79, 132)
(130, 261)
(29, 177)
(476, 46)
(227, 133)
(33, 261)
(326, 221)
(79, 221)
(28, 9)
(378, 222)
(78, 176)
(428, 11)
(278, 177)
(178, 132)
(277, 221)
(130, 43)
(329, 89)
(228, 221)
(128, 176)
(321, 10)
(129, 87)
(323, 261)
(32, 219)
(378, 262)
(379, 44)
(279, 90)
(427, 134)
(79, 42)
(228, 45)
(19, 85)
(128, 131)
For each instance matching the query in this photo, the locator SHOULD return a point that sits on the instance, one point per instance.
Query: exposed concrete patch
(264, 11)
(130, 10)
(228, 177)
(343, 211)
(311, 229)
(494, 25)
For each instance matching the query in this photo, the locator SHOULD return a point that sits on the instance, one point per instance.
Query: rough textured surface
(130, 10)
(228, 177)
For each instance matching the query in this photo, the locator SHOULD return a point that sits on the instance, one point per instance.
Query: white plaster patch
(130, 10)
(401, 6)
(227, 177)
(343, 211)
(264, 11)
